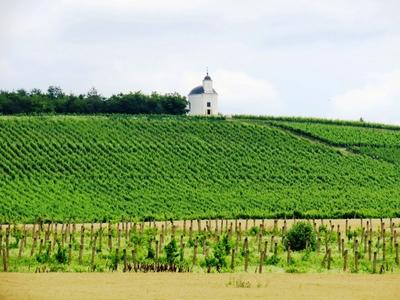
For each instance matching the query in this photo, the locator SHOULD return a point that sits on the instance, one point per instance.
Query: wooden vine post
(92, 261)
(116, 262)
(233, 260)
(21, 247)
(8, 243)
(246, 254)
(262, 255)
(110, 240)
(384, 251)
(125, 261)
(288, 256)
(134, 261)
(356, 261)
(100, 235)
(33, 246)
(194, 253)
(4, 255)
(369, 250)
(81, 244)
(157, 249)
(69, 253)
(329, 259)
(345, 254)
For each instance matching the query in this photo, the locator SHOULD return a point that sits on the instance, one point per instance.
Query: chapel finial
(207, 76)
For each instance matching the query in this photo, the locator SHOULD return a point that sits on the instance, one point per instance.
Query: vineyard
(207, 246)
(379, 142)
(110, 168)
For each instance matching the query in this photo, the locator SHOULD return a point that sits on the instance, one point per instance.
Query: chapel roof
(199, 90)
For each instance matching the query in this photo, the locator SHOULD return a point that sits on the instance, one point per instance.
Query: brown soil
(197, 286)
(268, 223)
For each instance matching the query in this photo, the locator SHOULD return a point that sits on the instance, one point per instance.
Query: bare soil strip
(197, 286)
(268, 223)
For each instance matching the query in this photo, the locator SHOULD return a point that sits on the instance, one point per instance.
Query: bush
(61, 255)
(221, 250)
(299, 236)
(172, 252)
(272, 260)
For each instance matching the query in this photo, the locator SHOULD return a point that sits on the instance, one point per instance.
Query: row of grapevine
(103, 168)
(202, 246)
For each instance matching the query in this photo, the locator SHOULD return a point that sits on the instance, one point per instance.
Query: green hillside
(376, 140)
(110, 167)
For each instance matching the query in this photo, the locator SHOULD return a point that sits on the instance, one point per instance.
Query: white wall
(198, 104)
(208, 86)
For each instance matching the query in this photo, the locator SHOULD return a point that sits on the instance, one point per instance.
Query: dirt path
(269, 223)
(198, 286)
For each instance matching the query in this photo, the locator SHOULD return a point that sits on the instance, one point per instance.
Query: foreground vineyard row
(201, 246)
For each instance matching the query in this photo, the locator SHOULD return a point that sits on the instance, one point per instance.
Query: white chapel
(203, 99)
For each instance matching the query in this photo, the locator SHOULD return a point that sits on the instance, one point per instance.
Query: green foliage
(323, 228)
(151, 254)
(254, 230)
(18, 236)
(56, 101)
(89, 168)
(61, 255)
(299, 236)
(221, 249)
(347, 135)
(317, 121)
(225, 244)
(388, 153)
(351, 234)
(272, 260)
(375, 140)
(172, 253)
(45, 256)
(115, 258)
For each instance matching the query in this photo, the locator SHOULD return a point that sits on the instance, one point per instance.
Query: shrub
(221, 250)
(254, 230)
(61, 255)
(299, 236)
(172, 252)
(272, 260)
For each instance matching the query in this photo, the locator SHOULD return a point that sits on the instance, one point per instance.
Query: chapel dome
(198, 90)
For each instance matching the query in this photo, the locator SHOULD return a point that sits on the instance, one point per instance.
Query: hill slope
(100, 167)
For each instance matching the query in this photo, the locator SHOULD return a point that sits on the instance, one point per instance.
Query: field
(113, 168)
(66, 286)
(374, 140)
(161, 207)
(203, 246)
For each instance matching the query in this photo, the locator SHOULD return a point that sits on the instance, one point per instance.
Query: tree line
(54, 100)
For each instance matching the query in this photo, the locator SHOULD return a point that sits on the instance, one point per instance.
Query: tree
(56, 101)
(54, 92)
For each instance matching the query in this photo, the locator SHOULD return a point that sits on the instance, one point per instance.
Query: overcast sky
(325, 58)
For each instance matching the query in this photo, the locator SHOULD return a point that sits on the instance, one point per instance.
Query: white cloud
(267, 57)
(240, 93)
(376, 101)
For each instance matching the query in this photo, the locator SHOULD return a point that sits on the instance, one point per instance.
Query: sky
(331, 59)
